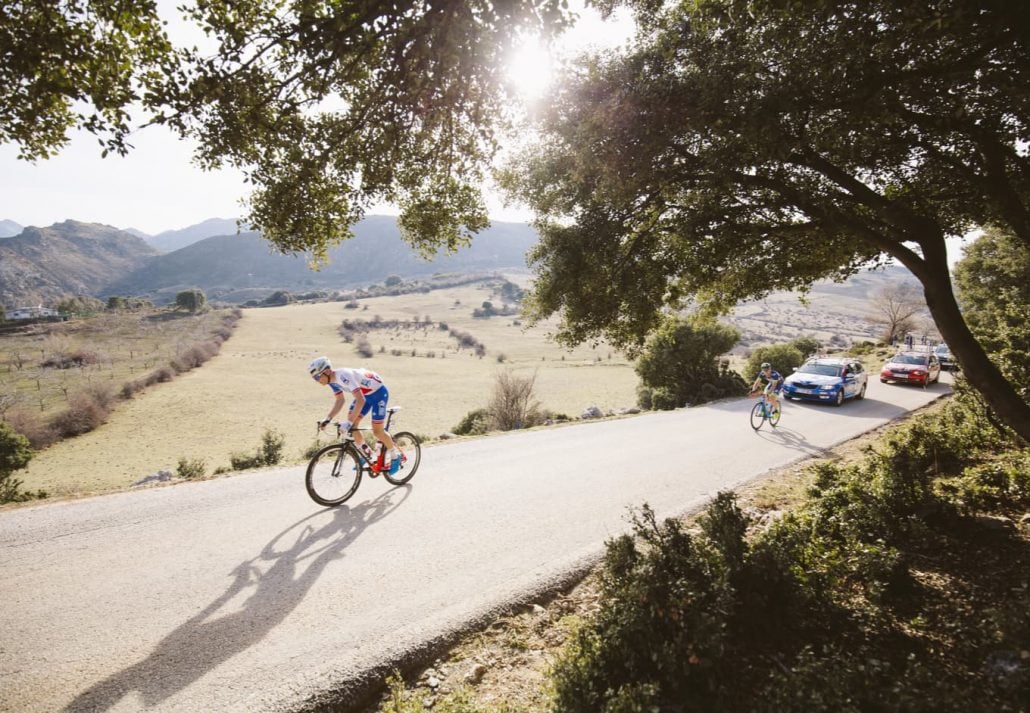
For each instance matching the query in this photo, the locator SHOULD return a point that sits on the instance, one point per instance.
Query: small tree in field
(15, 454)
(895, 309)
(514, 403)
(191, 300)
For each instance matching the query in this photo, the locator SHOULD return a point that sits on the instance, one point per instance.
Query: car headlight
(828, 387)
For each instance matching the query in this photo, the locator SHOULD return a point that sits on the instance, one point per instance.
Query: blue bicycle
(763, 412)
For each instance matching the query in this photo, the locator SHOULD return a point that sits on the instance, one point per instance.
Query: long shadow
(279, 584)
(791, 439)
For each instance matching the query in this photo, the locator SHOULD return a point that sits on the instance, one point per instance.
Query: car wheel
(861, 393)
(839, 398)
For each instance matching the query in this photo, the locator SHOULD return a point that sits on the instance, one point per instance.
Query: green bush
(15, 454)
(783, 357)
(191, 469)
(272, 444)
(1001, 483)
(474, 423)
(680, 364)
(662, 633)
(270, 452)
(807, 346)
(803, 616)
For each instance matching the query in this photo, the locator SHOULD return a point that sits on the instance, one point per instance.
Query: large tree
(994, 290)
(328, 107)
(745, 146)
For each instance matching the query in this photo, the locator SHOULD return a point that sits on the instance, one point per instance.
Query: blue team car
(829, 379)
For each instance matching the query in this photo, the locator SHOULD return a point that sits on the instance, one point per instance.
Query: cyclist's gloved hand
(323, 423)
(348, 430)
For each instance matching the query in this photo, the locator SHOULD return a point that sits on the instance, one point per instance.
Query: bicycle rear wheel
(774, 417)
(758, 415)
(334, 474)
(409, 445)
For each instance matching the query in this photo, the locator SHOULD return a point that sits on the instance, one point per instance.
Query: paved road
(240, 594)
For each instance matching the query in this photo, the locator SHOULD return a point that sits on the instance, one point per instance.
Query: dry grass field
(259, 381)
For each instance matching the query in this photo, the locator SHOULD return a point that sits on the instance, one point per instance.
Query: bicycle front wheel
(757, 416)
(409, 445)
(334, 474)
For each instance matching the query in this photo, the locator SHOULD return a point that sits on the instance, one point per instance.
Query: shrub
(245, 461)
(194, 356)
(191, 469)
(309, 452)
(15, 454)
(363, 348)
(272, 444)
(39, 433)
(270, 452)
(783, 357)
(131, 388)
(474, 423)
(69, 360)
(513, 404)
(87, 411)
(160, 375)
(807, 346)
(661, 632)
(1001, 483)
(680, 357)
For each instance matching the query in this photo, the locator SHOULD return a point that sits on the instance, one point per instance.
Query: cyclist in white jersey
(370, 394)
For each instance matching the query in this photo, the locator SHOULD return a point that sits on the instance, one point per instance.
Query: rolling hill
(172, 240)
(232, 267)
(40, 265)
(8, 228)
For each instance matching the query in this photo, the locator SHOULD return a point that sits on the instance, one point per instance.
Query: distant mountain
(228, 266)
(172, 240)
(137, 233)
(42, 264)
(8, 228)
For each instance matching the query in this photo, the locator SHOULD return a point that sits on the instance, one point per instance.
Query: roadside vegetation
(60, 380)
(894, 581)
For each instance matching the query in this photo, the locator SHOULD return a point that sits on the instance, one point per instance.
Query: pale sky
(156, 187)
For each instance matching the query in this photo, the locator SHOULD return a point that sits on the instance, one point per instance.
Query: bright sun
(531, 68)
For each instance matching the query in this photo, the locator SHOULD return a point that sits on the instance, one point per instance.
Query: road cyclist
(369, 394)
(773, 382)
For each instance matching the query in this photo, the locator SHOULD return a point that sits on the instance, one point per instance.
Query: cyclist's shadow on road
(208, 639)
(791, 439)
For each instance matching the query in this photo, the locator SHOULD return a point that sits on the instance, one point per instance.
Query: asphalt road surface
(241, 594)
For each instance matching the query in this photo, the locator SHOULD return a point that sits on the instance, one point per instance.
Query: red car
(912, 368)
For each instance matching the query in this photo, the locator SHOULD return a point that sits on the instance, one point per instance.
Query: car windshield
(909, 359)
(821, 369)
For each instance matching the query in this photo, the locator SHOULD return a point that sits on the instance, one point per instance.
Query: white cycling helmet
(318, 365)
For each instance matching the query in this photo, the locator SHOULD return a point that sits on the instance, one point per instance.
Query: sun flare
(531, 68)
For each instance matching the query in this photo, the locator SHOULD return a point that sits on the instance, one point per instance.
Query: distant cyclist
(773, 385)
(370, 394)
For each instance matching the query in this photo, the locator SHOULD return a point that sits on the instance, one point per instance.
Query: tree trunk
(978, 369)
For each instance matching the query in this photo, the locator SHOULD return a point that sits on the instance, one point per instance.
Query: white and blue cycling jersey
(369, 384)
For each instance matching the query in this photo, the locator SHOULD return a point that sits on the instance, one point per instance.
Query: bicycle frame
(373, 465)
(762, 411)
